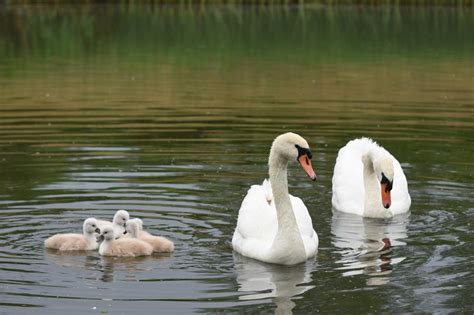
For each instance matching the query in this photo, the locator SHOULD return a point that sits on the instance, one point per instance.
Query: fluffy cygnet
(118, 224)
(139, 222)
(72, 241)
(125, 247)
(140, 228)
(159, 244)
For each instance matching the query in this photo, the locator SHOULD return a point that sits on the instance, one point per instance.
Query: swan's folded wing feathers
(267, 190)
(257, 219)
(348, 185)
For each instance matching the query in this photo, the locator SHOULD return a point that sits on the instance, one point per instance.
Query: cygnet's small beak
(308, 168)
(125, 224)
(100, 238)
(97, 230)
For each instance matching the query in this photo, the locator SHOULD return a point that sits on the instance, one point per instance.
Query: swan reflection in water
(366, 245)
(264, 281)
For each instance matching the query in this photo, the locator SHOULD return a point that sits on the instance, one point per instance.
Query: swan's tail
(267, 189)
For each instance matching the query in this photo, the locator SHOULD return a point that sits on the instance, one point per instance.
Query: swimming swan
(124, 247)
(118, 223)
(71, 241)
(369, 181)
(159, 243)
(274, 226)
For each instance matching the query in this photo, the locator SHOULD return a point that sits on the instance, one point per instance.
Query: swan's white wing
(305, 225)
(347, 182)
(256, 224)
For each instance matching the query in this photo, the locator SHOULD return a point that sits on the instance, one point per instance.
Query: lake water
(169, 112)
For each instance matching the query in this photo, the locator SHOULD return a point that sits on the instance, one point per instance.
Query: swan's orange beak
(386, 199)
(306, 164)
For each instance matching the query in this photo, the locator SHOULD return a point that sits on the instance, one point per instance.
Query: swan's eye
(93, 225)
(303, 151)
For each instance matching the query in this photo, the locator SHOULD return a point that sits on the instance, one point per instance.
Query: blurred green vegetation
(193, 34)
(260, 2)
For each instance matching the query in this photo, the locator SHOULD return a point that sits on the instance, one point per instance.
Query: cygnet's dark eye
(93, 225)
(105, 232)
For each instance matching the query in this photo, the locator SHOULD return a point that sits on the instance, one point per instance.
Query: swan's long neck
(372, 203)
(288, 241)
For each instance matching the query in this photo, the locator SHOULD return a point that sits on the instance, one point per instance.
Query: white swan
(118, 224)
(123, 247)
(274, 226)
(369, 181)
(73, 241)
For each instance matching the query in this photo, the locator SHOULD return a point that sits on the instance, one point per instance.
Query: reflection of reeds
(191, 33)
